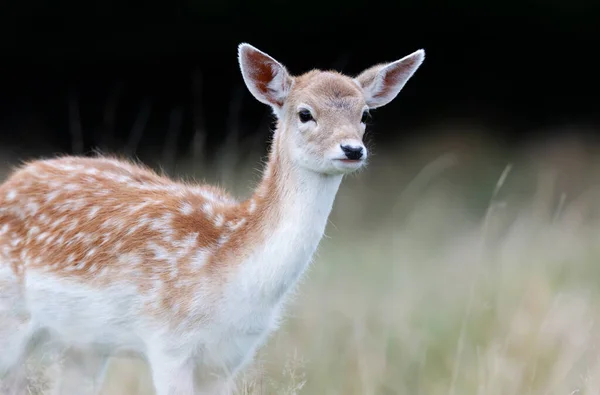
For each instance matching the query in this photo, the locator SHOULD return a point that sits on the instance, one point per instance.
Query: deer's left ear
(382, 83)
(267, 79)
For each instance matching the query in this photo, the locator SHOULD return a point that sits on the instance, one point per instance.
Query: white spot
(129, 260)
(222, 240)
(208, 209)
(62, 207)
(199, 259)
(162, 254)
(142, 221)
(73, 224)
(32, 207)
(116, 177)
(58, 222)
(93, 211)
(68, 167)
(16, 241)
(42, 236)
(163, 225)
(187, 243)
(208, 195)
(110, 222)
(71, 187)
(70, 268)
(157, 286)
(76, 204)
(186, 209)
(219, 219)
(236, 225)
(252, 206)
(167, 218)
(11, 195)
(137, 207)
(80, 236)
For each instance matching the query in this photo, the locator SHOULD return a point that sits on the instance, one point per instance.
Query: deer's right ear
(266, 78)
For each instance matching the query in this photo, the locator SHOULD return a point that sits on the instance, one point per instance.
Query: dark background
(141, 76)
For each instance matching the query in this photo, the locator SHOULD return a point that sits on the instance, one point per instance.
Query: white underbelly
(83, 316)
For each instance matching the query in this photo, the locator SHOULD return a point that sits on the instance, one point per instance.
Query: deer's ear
(266, 78)
(382, 83)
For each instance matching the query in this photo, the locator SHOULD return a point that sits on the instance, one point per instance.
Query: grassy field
(449, 268)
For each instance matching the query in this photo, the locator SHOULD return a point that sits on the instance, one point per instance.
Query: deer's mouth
(348, 164)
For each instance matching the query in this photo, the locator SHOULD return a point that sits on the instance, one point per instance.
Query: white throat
(305, 199)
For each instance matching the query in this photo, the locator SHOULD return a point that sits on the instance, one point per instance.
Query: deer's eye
(305, 116)
(365, 117)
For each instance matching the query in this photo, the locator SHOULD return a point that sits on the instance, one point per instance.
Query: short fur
(109, 257)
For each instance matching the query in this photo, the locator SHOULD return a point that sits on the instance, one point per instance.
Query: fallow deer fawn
(106, 257)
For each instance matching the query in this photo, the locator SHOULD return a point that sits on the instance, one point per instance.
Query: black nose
(352, 153)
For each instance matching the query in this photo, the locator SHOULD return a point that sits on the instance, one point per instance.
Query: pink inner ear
(262, 73)
(395, 76)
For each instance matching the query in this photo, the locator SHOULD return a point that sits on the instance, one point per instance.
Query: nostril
(352, 153)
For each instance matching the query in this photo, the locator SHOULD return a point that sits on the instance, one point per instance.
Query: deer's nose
(353, 152)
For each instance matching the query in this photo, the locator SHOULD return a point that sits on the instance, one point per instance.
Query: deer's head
(322, 114)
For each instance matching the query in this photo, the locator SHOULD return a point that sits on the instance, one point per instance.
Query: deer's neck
(292, 209)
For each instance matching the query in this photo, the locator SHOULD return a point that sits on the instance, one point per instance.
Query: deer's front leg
(81, 373)
(171, 375)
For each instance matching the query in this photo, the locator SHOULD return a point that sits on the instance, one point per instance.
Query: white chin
(347, 165)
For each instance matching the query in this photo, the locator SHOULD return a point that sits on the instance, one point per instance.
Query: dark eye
(305, 116)
(365, 117)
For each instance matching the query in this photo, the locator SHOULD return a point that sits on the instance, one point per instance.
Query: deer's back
(101, 221)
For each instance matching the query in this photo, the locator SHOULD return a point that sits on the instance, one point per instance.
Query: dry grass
(445, 272)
